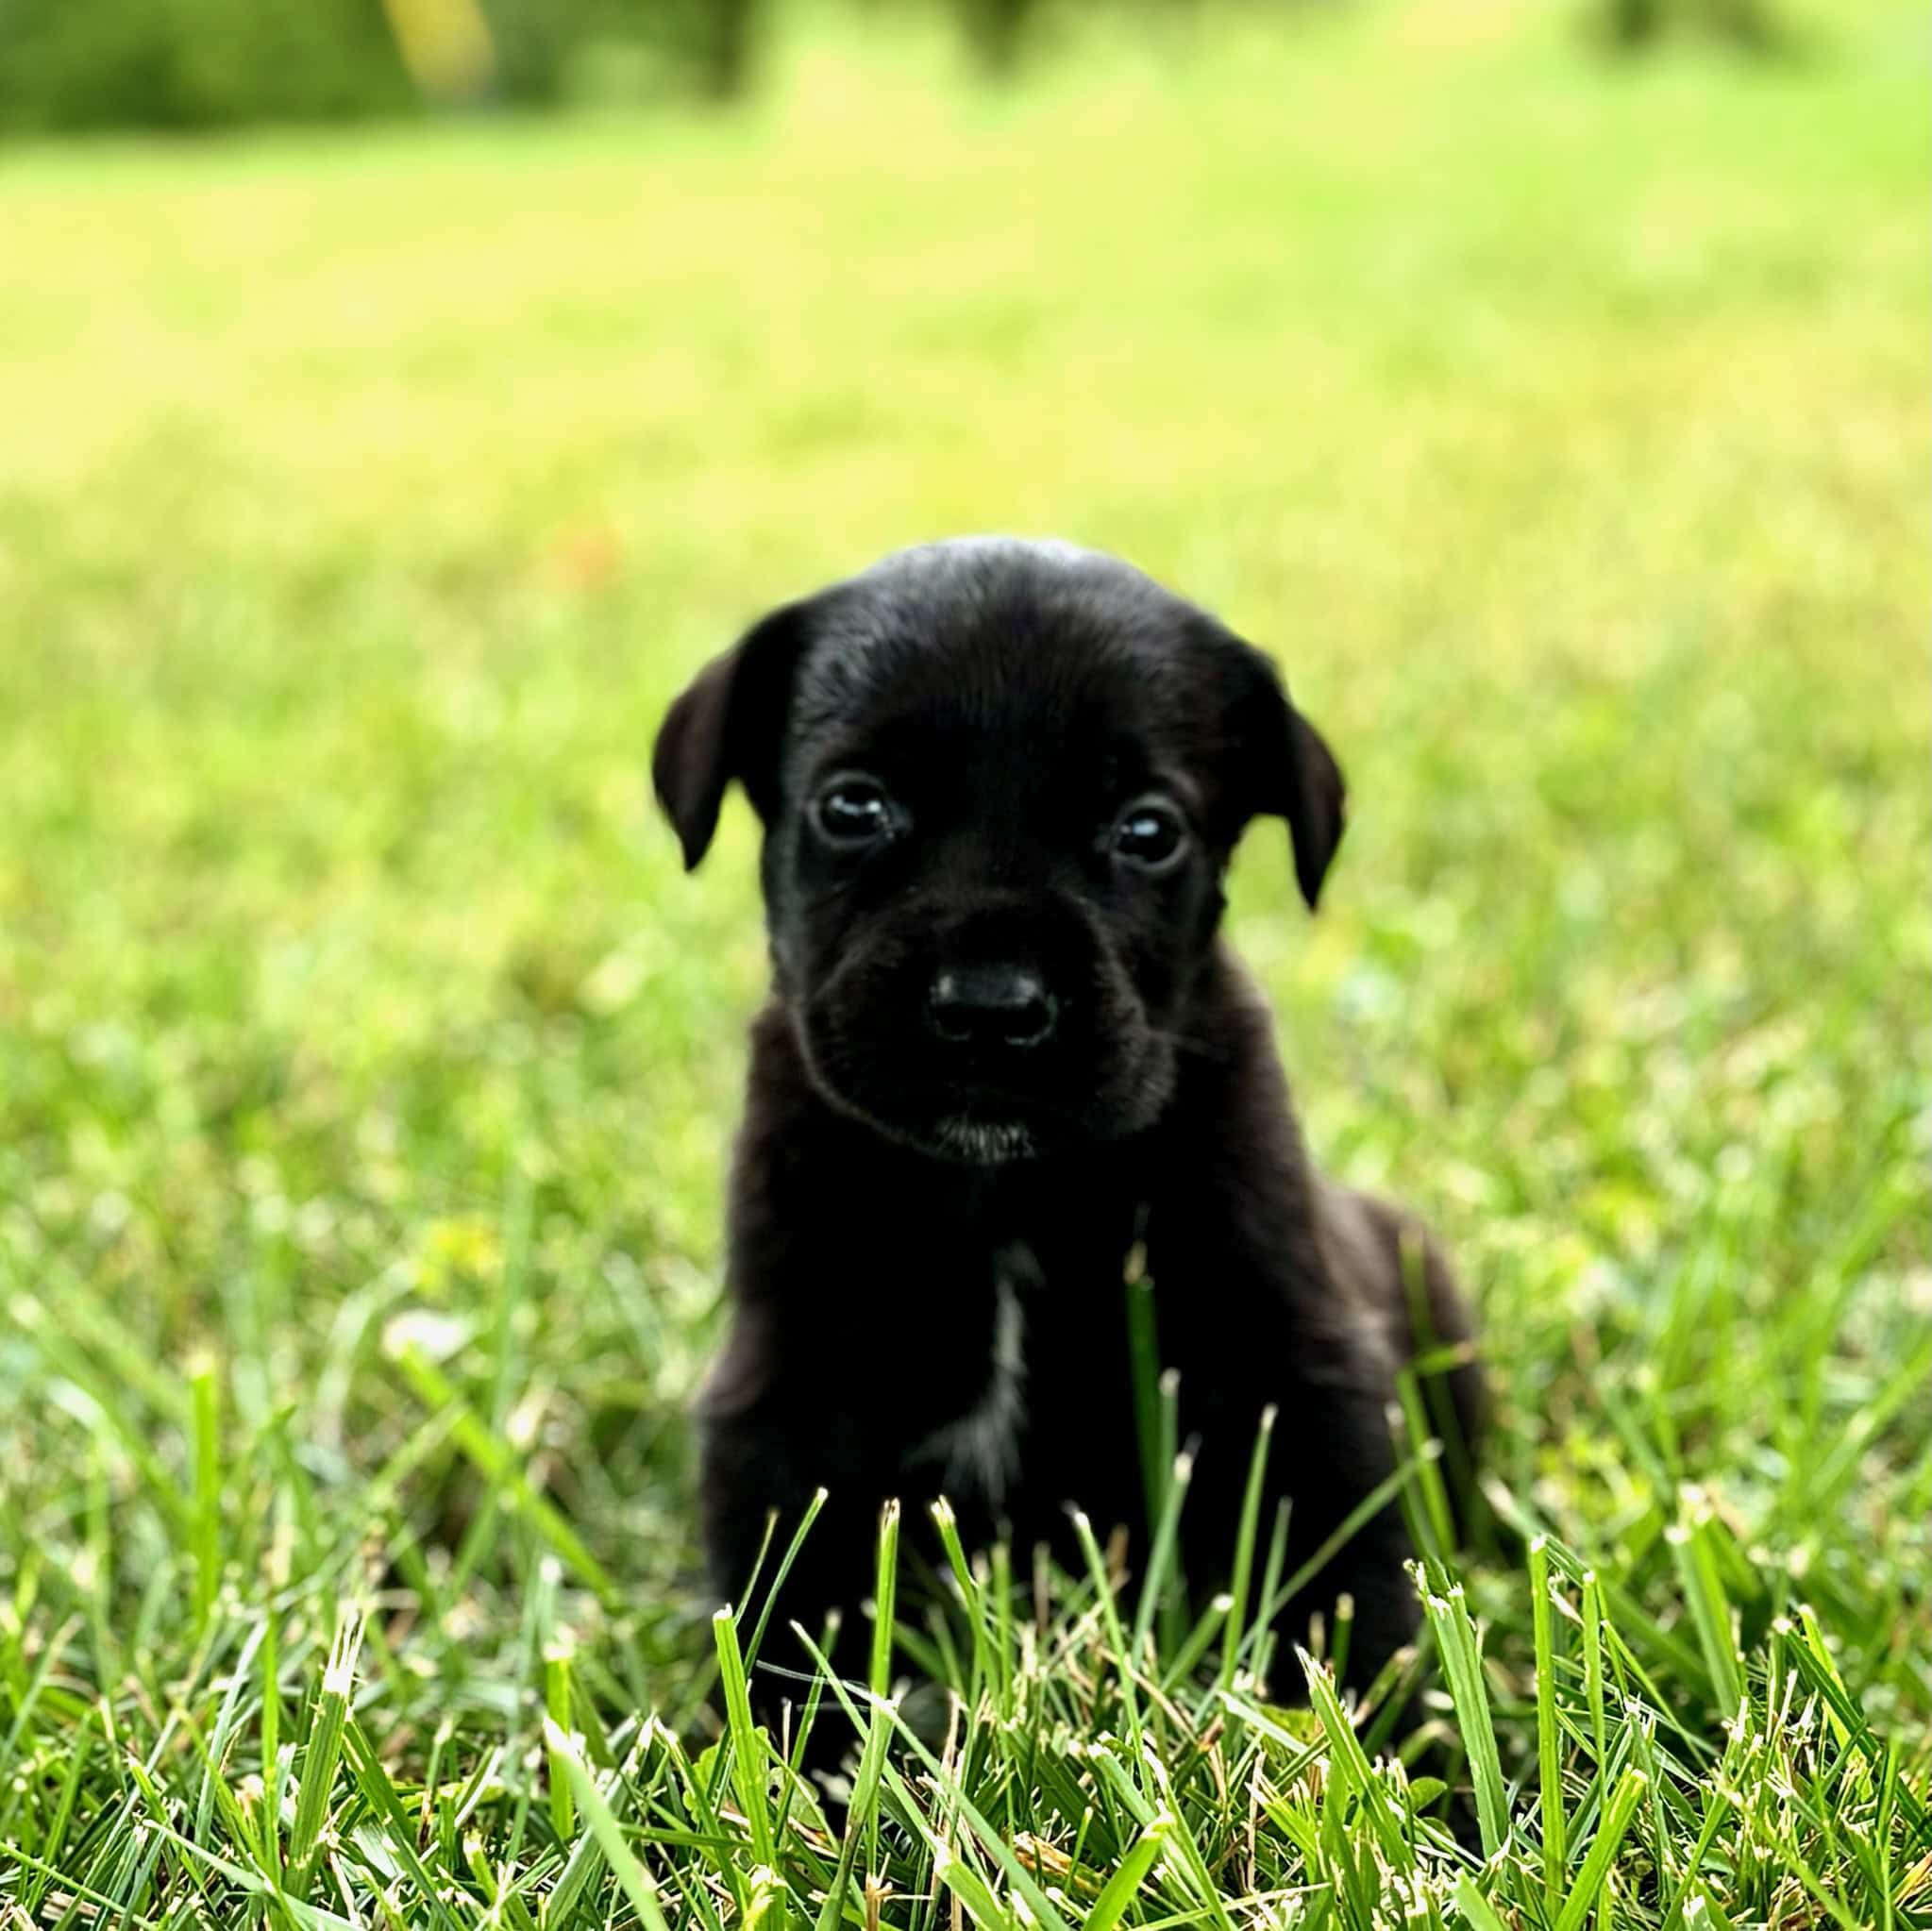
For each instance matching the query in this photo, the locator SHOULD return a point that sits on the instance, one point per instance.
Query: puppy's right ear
(728, 724)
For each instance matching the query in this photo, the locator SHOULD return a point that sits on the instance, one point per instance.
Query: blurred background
(400, 398)
(214, 64)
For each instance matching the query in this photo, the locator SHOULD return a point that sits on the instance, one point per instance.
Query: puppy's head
(1000, 782)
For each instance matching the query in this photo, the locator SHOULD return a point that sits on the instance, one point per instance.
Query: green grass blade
(748, 1758)
(323, 1750)
(1121, 1888)
(206, 1508)
(1548, 1736)
(1690, 1538)
(1588, 1891)
(631, 1878)
(1474, 1908)
(1160, 1566)
(1144, 1358)
(1244, 1548)
(1460, 1648)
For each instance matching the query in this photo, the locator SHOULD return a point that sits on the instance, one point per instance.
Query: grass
(366, 1066)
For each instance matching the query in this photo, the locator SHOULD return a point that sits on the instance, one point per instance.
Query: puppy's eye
(1150, 833)
(853, 810)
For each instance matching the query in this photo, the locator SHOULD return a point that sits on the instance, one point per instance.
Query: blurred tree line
(213, 63)
(210, 63)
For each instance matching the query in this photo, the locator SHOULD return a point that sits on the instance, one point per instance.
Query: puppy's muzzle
(991, 1008)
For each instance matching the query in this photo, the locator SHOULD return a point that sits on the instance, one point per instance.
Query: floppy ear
(1290, 771)
(728, 724)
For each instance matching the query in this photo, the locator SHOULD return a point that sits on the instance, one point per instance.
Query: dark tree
(996, 30)
(728, 36)
(1749, 25)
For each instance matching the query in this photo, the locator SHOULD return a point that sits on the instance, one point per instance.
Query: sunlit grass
(367, 1065)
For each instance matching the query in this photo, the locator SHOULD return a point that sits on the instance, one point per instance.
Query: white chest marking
(978, 1454)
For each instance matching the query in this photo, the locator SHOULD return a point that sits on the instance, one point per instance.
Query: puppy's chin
(974, 1132)
(983, 1142)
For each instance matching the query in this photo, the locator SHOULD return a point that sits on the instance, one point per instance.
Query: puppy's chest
(1035, 1410)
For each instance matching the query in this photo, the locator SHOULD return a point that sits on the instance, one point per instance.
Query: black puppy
(1001, 784)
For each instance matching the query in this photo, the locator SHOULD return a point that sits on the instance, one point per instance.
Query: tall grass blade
(1549, 1734)
(749, 1760)
(1244, 1548)
(1690, 1538)
(1589, 1887)
(206, 1510)
(1121, 1888)
(1460, 1648)
(637, 1887)
(323, 1750)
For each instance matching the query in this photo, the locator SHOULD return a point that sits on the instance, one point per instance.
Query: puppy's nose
(991, 1005)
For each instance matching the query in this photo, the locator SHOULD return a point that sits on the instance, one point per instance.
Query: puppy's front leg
(1249, 1321)
(1330, 1451)
(764, 1457)
(1255, 1313)
(862, 1310)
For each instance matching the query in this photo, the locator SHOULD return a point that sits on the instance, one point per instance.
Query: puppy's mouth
(974, 1124)
(983, 1142)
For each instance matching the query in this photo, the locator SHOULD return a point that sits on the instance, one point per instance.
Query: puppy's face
(1001, 783)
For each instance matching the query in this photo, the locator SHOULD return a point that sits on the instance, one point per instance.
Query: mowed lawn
(367, 1065)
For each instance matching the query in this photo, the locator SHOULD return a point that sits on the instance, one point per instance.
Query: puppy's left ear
(1289, 770)
(728, 723)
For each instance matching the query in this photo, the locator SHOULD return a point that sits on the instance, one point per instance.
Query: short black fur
(1001, 784)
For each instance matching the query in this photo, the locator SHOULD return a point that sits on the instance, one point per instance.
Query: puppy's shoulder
(788, 1139)
(1232, 1019)
(778, 1079)
(785, 1122)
